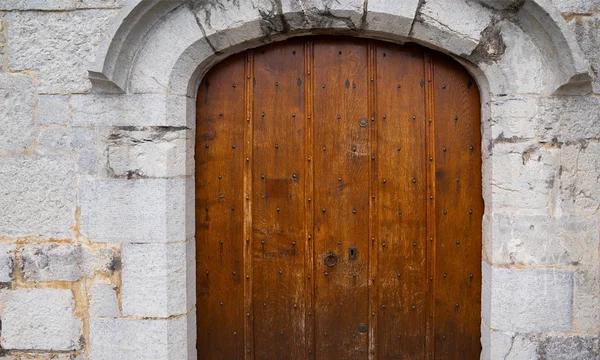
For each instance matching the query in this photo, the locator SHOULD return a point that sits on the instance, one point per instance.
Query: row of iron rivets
(324, 149)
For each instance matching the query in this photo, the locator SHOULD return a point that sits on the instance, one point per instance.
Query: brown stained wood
(219, 211)
(320, 145)
(402, 204)
(459, 210)
(278, 201)
(341, 197)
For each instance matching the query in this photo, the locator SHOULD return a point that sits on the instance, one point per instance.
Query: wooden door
(338, 204)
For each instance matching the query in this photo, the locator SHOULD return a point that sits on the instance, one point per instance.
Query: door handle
(331, 260)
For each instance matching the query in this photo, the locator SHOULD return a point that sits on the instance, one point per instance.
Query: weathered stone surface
(585, 299)
(40, 319)
(154, 280)
(16, 112)
(47, 262)
(534, 240)
(161, 59)
(128, 110)
(139, 211)
(586, 32)
(326, 14)
(509, 346)
(7, 256)
(38, 196)
(54, 140)
(579, 190)
(532, 301)
(513, 117)
(391, 16)
(150, 152)
(524, 175)
(139, 339)
(99, 4)
(568, 348)
(577, 6)
(103, 301)
(568, 118)
(53, 110)
(58, 44)
(85, 144)
(453, 25)
(37, 5)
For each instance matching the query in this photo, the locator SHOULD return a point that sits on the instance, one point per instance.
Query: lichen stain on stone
(491, 47)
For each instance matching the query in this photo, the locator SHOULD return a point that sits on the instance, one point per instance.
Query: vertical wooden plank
(248, 145)
(309, 332)
(373, 186)
(402, 202)
(341, 196)
(219, 211)
(279, 201)
(459, 210)
(431, 212)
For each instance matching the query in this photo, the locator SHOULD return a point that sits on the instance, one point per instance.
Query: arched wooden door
(338, 204)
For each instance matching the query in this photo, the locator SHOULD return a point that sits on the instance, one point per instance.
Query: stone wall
(96, 223)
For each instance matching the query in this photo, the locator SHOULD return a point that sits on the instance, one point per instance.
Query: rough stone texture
(143, 211)
(154, 280)
(569, 118)
(99, 4)
(7, 257)
(586, 32)
(40, 319)
(57, 44)
(524, 176)
(568, 348)
(139, 339)
(53, 110)
(536, 240)
(513, 117)
(585, 298)
(577, 6)
(16, 112)
(580, 175)
(43, 188)
(150, 152)
(545, 305)
(54, 140)
(452, 25)
(103, 301)
(37, 5)
(391, 15)
(329, 14)
(47, 262)
(130, 110)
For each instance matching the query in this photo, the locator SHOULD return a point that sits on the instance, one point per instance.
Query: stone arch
(157, 51)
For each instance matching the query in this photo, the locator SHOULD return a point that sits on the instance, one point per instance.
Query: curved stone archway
(531, 74)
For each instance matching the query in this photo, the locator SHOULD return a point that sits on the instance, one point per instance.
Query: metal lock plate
(352, 253)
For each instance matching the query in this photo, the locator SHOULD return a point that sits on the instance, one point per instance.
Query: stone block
(509, 346)
(40, 319)
(579, 190)
(85, 143)
(586, 305)
(315, 14)
(53, 109)
(7, 256)
(103, 301)
(16, 112)
(512, 117)
(137, 211)
(568, 118)
(568, 348)
(533, 301)
(66, 262)
(57, 44)
(524, 176)
(586, 33)
(390, 16)
(37, 5)
(155, 280)
(38, 196)
(568, 7)
(54, 140)
(150, 152)
(100, 4)
(128, 110)
(139, 339)
(453, 25)
(542, 240)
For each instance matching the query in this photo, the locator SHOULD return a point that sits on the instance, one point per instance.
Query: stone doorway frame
(146, 77)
